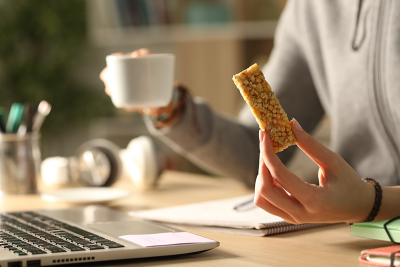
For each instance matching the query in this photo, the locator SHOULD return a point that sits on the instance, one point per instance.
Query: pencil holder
(20, 159)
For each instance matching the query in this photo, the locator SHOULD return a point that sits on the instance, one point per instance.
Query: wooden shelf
(166, 34)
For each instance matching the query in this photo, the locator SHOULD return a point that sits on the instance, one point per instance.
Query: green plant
(40, 43)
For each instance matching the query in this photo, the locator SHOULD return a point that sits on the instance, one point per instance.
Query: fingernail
(297, 125)
(261, 135)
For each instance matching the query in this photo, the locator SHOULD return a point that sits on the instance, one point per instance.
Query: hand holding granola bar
(282, 193)
(341, 196)
(265, 107)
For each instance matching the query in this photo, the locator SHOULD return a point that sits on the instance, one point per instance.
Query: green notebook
(375, 230)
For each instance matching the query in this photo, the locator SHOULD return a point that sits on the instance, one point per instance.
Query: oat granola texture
(265, 107)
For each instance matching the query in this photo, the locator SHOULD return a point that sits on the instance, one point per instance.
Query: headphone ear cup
(55, 171)
(98, 163)
(142, 162)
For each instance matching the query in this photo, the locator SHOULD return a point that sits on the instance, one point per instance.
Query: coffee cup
(145, 81)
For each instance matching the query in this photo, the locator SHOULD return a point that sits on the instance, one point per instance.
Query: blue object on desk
(388, 230)
(14, 118)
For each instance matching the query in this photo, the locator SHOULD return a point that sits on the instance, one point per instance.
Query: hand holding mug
(141, 81)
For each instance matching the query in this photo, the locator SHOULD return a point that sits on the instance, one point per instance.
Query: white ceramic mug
(145, 81)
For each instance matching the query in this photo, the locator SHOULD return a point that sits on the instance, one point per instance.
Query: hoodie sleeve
(289, 75)
(229, 147)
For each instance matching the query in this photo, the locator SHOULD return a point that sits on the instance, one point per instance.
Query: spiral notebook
(221, 216)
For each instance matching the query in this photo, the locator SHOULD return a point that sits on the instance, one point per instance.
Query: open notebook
(220, 215)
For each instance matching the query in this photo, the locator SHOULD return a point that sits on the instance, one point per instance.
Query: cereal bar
(265, 107)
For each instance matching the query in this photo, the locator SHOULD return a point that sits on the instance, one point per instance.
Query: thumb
(314, 149)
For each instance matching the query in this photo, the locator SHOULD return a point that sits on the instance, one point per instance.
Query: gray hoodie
(340, 58)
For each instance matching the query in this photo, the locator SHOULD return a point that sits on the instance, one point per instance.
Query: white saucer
(86, 195)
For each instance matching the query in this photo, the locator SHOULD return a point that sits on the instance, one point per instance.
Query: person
(337, 58)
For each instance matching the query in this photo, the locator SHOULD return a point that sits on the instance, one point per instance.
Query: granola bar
(265, 107)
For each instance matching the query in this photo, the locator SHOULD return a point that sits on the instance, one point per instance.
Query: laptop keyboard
(29, 233)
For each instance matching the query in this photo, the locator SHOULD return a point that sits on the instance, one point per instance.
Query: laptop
(88, 234)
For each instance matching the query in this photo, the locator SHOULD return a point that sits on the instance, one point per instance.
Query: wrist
(362, 202)
(170, 115)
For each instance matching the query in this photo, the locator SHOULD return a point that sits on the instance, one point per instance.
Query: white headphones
(100, 162)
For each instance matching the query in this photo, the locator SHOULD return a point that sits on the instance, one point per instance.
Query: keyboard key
(116, 245)
(94, 247)
(76, 249)
(56, 249)
(37, 252)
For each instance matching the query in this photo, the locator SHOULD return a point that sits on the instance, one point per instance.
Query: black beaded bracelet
(167, 114)
(378, 199)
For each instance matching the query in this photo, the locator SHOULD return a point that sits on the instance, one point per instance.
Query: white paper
(382, 260)
(213, 213)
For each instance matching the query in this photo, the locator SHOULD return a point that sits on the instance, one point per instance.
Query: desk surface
(326, 246)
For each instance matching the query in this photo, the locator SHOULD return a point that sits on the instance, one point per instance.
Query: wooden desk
(326, 246)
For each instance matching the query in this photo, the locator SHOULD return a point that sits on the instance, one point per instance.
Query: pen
(14, 118)
(43, 110)
(27, 119)
(2, 120)
(246, 205)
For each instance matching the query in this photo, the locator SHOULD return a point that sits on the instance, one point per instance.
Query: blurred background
(55, 51)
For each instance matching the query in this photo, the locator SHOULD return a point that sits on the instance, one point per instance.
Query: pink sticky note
(165, 239)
